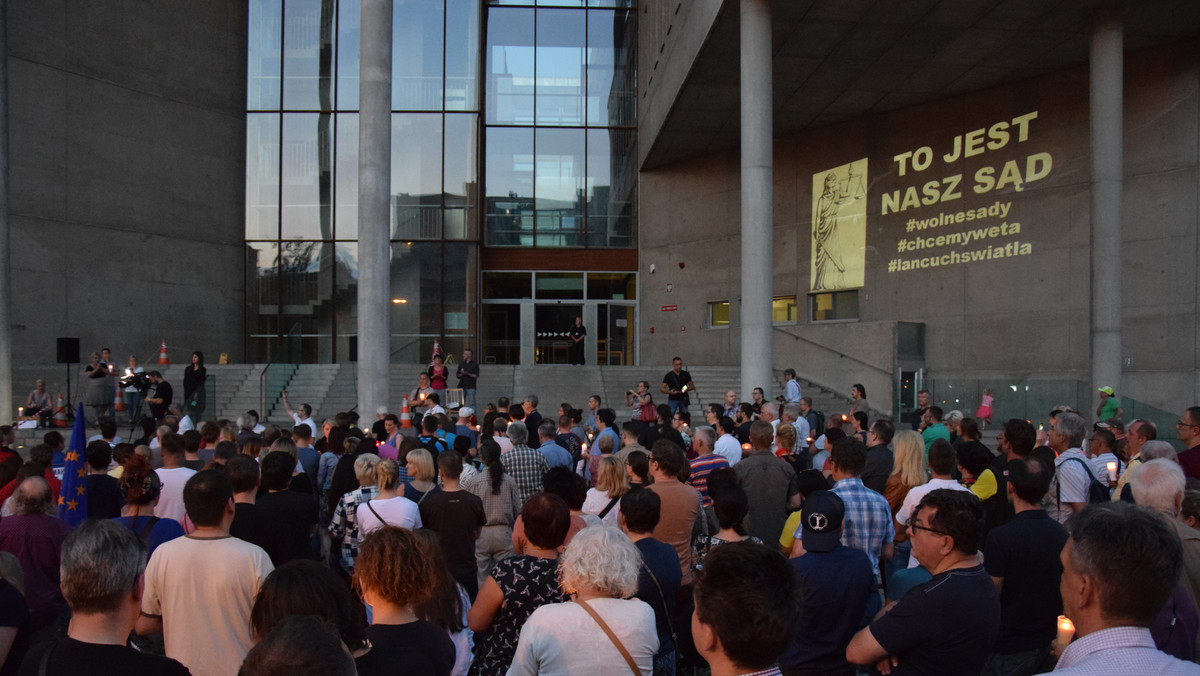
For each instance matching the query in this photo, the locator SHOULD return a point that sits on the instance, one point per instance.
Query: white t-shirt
(170, 500)
(398, 511)
(563, 639)
(727, 447)
(204, 589)
(595, 503)
(186, 424)
(311, 425)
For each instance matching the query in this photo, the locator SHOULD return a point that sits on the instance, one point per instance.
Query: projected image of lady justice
(839, 227)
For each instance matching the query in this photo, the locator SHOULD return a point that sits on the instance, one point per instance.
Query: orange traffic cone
(163, 359)
(119, 400)
(60, 412)
(405, 415)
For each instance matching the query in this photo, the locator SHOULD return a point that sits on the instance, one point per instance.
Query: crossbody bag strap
(611, 636)
(381, 520)
(608, 508)
(663, 598)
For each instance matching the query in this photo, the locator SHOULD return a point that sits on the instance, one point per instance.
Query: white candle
(1112, 471)
(1066, 631)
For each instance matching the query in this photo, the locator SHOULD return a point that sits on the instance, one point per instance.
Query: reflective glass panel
(416, 292)
(510, 51)
(559, 285)
(561, 41)
(348, 34)
(345, 301)
(783, 310)
(462, 54)
(459, 281)
(507, 285)
(307, 176)
(346, 171)
(611, 286)
(416, 176)
(611, 75)
(509, 183)
(307, 274)
(262, 298)
(611, 187)
(417, 54)
(559, 187)
(308, 55)
(262, 176)
(461, 180)
(265, 41)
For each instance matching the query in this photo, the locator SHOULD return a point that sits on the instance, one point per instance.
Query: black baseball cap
(821, 519)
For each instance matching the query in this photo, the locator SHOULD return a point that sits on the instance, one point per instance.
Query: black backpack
(818, 426)
(1097, 493)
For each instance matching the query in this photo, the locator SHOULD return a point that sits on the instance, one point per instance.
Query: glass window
(509, 182)
(510, 83)
(507, 285)
(307, 55)
(262, 176)
(559, 187)
(417, 36)
(416, 176)
(460, 176)
(348, 35)
(262, 298)
(307, 176)
(265, 43)
(834, 306)
(417, 296)
(612, 286)
(459, 280)
(306, 275)
(612, 77)
(783, 310)
(462, 54)
(346, 170)
(561, 41)
(345, 302)
(718, 314)
(559, 285)
(611, 187)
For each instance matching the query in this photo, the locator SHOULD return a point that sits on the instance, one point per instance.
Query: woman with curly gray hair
(602, 631)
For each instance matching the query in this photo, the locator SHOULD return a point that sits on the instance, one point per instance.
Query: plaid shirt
(868, 525)
(500, 509)
(345, 523)
(1119, 650)
(526, 466)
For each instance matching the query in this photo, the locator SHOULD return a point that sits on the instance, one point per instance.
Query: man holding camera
(159, 396)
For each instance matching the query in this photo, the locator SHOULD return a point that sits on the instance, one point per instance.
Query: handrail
(262, 388)
(842, 355)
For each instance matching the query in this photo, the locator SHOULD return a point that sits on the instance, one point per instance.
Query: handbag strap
(608, 508)
(663, 598)
(611, 636)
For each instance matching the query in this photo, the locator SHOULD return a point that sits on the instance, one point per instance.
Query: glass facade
(548, 129)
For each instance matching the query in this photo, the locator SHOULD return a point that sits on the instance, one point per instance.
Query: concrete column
(374, 188)
(7, 405)
(1106, 110)
(757, 197)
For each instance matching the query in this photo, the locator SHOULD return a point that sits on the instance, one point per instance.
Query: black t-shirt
(743, 432)
(1025, 552)
(14, 612)
(456, 517)
(248, 525)
(676, 382)
(466, 382)
(379, 430)
(946, 626)
(836, 586)
(70, 657)
(658, 585)
(161, 391)
(418, 648)
(103, 496)
(196, 464)
(290, 517)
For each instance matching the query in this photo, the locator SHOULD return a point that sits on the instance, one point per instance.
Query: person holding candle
(1120, 566)
(1022, 557)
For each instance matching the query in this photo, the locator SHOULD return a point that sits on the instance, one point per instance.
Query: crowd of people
(767, 538)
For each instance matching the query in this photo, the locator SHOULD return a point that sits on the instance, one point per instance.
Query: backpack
(817, 426)
(1096, 491)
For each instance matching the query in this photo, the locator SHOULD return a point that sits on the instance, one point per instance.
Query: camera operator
(159, 396)
(641, 402)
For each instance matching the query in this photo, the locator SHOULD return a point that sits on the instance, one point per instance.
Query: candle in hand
(1112, 471)
(1066, 631)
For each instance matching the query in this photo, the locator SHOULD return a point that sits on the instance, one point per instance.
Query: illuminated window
(718, 314)
(834, 306)
(783, 310)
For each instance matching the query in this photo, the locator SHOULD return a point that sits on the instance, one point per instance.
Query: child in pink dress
(984, 413)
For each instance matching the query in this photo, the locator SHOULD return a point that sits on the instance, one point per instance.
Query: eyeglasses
(1185, 424)
(916, 526)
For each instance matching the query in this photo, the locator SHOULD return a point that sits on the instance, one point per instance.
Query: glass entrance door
(552, 325)
(614, 334)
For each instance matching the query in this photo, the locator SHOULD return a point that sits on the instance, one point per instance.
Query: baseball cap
(466, 412)
(1107, 390)
(821, 520)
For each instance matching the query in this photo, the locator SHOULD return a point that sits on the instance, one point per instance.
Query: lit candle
(1112, 471)
(589, 436)
(479, 428)
(745, 447)
(422, 396)
(1066, 631)
(584, 447)
(20, 411)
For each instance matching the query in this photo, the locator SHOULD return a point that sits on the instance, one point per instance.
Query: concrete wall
(1023, 317)
(127, 129)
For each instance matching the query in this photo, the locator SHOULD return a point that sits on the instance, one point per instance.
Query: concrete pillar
(7, 405)
(374, 189)
(757, 198)
(1106, 111)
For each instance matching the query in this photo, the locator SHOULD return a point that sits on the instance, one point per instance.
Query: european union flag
(72, 499)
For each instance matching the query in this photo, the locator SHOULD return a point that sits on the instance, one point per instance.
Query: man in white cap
(466, 425)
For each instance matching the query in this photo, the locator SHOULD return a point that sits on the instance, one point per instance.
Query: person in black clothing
(291, 515)
(248, 523)
(103, 491)
(577, 335)
(457, 517)
(194, 376)
(103, 564)
(659, 579)
(310, 588)
(299, 644)
(160, 395)
(676, 385)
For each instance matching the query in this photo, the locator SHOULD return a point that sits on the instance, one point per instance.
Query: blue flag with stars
(72, 499)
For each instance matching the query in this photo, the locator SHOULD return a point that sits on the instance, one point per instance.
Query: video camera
(139, 381)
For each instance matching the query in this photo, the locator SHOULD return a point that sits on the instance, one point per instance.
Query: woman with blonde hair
(393, 577)
(422, 477)
(344, 525)
(908, 471)
(388, 507)
(601, 630)
(604, 500)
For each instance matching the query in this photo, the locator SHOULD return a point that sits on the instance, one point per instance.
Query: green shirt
(932, 433)
(1109, 408)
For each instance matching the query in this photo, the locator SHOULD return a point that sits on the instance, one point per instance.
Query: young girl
(984, 412)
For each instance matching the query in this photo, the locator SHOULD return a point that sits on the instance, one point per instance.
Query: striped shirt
(701, 467)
